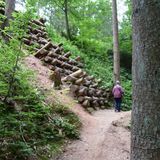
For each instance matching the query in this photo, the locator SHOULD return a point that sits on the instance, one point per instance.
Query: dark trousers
(118, 102)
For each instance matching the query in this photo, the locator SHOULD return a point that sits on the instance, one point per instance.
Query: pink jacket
(117, 91)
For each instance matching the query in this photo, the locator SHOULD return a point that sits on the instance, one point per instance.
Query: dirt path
(103, 134)
(99, 138)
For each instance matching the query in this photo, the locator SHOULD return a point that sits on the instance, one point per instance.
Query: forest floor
(104, 134)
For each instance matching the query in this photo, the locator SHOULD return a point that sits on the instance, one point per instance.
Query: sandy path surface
(103, 134)
(100, 140)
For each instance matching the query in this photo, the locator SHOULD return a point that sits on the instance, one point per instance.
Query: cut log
(87, 83)
(88, 98)
(48, 59)
(37, 22)
(91, 91)
(42, 53)
(62, 58)
(34, 37)
(57, 63)
(74, 89)
(54, 47)
(67, 66)
(89, 78)
(26, 41)
(38, 35)
(78, 58)
(49, 40)
(38, 53)
(73, 62)
(95, 98)
(77, 74)
(75, 68)
(57, 50)
(68, 54)
(99, 93)
(67, 72)
(86, 103)
(42, 41)
(52, 54)
(51, 67)
(102, 103)
(80, 65)
(70, 79)
(36, 31)
(95, 103)
(94, 85)
(81, 99)
(83, 91)
(98, 80)
(79, 81)
(44, 34)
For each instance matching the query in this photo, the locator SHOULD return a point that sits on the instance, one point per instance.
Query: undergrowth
(97, 63)
(29, 128)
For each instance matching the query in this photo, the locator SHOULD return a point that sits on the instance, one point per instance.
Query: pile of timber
(85, 88)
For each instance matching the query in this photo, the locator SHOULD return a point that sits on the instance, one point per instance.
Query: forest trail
(103, 135)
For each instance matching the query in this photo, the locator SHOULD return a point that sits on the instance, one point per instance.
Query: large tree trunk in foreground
(145, 137)
(116, 53)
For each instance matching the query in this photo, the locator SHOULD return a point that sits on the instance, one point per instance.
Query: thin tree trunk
(145, 137)
(66, 19)
(10, 7)
(116, 67)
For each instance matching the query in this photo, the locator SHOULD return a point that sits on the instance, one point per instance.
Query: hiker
(118, 94)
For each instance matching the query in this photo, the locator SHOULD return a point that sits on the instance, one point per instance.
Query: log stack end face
(82, 86)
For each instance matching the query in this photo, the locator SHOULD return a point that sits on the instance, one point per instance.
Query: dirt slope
(103, 134)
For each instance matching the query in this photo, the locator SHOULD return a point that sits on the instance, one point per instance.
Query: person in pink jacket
(118, 94)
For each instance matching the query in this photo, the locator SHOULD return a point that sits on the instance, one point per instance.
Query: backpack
(117, 92)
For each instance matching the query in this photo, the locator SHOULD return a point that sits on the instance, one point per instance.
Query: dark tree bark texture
(145, 137)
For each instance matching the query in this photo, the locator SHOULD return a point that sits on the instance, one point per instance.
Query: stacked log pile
(84, 87)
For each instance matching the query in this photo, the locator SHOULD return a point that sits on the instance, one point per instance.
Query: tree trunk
(116, 67)
(10, 7)
(145, 137)
(66, 19)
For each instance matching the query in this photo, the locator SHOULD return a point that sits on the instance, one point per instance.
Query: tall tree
(116, 67)
(66, 19)
(146, 80)
(10, 7)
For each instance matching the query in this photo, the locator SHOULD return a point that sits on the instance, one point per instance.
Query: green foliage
(126, 31)
(27, 132)
(87, 19)
(29, 128)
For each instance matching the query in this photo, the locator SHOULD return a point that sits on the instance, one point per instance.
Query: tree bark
(66, 19)
(10, 7)
(145, 136)
(116, 70)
